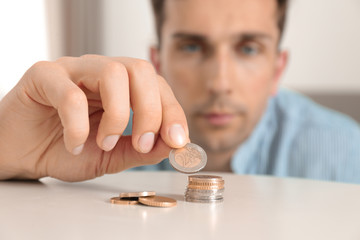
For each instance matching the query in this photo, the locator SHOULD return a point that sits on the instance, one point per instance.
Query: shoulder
(325, 144)
(294, 107)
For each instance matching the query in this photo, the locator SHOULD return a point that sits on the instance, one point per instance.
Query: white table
(254, 207)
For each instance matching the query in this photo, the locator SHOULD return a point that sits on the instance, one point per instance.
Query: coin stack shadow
(205, 189)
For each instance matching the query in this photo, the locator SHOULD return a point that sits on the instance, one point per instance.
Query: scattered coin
(158, 201)
(205, 189)
(146, 197)
(118, 200)
(189, 159)
(137, 194)
(200, 189)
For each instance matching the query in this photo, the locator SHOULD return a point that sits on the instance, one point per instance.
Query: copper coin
(222, 182)
(205, 178)
(189, 159)
(137, 194)
(118, 200)
(206, 185)
(158, 201)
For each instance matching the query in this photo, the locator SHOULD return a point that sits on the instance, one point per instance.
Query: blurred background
(323, 38)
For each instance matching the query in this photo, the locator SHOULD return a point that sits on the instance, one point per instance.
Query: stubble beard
(218, 141)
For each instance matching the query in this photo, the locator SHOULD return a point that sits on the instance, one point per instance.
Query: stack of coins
(205, 189)
(148, 198)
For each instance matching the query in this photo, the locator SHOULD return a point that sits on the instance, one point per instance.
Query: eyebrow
(248, 36)
(253, 36)
(189, 36)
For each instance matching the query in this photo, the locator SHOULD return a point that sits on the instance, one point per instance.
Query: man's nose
(219, 73)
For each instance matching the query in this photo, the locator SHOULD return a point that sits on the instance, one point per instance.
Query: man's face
(221, 60)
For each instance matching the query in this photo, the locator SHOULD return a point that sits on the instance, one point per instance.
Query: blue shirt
(298, 138)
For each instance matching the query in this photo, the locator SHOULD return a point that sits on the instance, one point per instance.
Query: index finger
(174, 128)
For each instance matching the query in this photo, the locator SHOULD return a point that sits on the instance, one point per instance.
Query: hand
(65, 119)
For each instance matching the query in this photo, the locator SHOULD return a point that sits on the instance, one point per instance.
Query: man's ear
(281, 63)
(155, 58)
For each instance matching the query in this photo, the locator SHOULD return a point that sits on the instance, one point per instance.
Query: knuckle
(74, 97)
(91, 56)
(40, 66)
(64, 59)
(142, 66)
(112, 67)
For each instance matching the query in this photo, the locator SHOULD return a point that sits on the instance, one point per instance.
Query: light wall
(23, 39)
(322, 36)
(128, 28)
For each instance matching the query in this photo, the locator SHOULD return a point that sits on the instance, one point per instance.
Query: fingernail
(110, 142)
(146, 142)
(177, 135)
(77, 150)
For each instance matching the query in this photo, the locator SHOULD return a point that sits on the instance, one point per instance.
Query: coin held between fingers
(189, 159)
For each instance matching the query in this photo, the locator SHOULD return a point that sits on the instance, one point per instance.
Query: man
(221, 60)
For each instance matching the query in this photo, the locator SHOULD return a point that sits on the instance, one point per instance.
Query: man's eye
(190, 48)
(249, 50)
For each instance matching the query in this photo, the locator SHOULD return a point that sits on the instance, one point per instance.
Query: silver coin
(190, 199)
(205, 192)
(203, 197)
(189, 159)
(203, 201)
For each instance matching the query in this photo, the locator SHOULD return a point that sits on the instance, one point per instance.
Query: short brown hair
(158, 8)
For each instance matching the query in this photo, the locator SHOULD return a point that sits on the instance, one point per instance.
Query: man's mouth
(218, 119)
